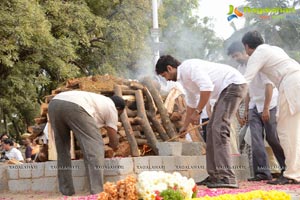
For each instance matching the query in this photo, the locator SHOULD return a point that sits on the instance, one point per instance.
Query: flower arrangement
(124, 189)
(257, 194)
(158, 185)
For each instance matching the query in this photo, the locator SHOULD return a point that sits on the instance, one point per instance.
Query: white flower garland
(150, 182)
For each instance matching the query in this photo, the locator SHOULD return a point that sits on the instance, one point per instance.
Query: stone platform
(42, 177)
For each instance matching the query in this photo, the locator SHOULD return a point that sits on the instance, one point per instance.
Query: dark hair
(8, 141)
(235, 47)
(253, 39)
(118, 101)
(2, 135)
(164, 61)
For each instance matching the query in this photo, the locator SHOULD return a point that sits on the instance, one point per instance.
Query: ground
(294, 190)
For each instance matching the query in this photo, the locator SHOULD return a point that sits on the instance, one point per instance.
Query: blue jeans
(257, 128)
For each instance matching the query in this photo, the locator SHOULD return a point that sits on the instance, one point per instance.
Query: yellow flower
(253, 195)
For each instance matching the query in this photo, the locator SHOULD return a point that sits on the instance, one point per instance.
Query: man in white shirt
(262, 117)
(204, 80)
(10, 151)
(284, 72)
(83, 113)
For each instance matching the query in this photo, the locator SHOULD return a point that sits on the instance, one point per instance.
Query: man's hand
(195, 118)
(182, 131)
(242, 121)
(265, 116)
(113, 138)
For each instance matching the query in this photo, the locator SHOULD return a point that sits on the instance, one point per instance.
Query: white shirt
(100, 107)
(257, 90)
(14, 153)
(197, 75)
(257, 93)
(276, 65)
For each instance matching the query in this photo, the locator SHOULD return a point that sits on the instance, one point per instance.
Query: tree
(185, 35)
(280, 29)
(28, 54)
(44, 43)
(125, 35)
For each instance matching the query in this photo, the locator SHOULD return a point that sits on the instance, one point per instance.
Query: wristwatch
(198, 111)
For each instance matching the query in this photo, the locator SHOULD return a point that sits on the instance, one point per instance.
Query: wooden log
(156, 124)
(171, 98)
(144, 121)
(72, 146)
(131, 113)
(175, 116)
(137, 128)
(105, 140)
(108, 152)
(141, 141)
(52, 154)
(48, 98)
(128, 97)
(133, 121)
(137, 134)
(124, 149)
(167, 124)
(122, 132)
(36, 130)
(128, 92)
(73, 83)
(181, 105)
(136, 85)
(128, 130)
(44, 109)
(40, 120)
(125, 87)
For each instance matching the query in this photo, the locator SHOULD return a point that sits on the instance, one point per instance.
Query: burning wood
(146, 120)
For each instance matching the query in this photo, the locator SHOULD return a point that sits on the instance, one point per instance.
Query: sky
(218, 9)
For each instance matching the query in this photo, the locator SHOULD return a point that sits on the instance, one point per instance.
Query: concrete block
(51, 168)
(19, 185)
(118, 166)
(12, 172)
(191, 149)
(80, 184)
(115, 178)
(125, 166)
(3, 179)
(190, 163)
(185, 173)
(140, 164)
(38, 171)
(78, 168)
(25, 170)
(169, 163)
(156, 163)
(169, 148)
(244, 172)
(45, 184)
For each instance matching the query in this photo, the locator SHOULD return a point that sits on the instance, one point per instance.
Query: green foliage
(170, 194)
(125, 35)
(184, 35)
(43, 43)
(279, 29)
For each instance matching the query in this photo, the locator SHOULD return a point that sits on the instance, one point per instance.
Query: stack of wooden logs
(147, 119)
